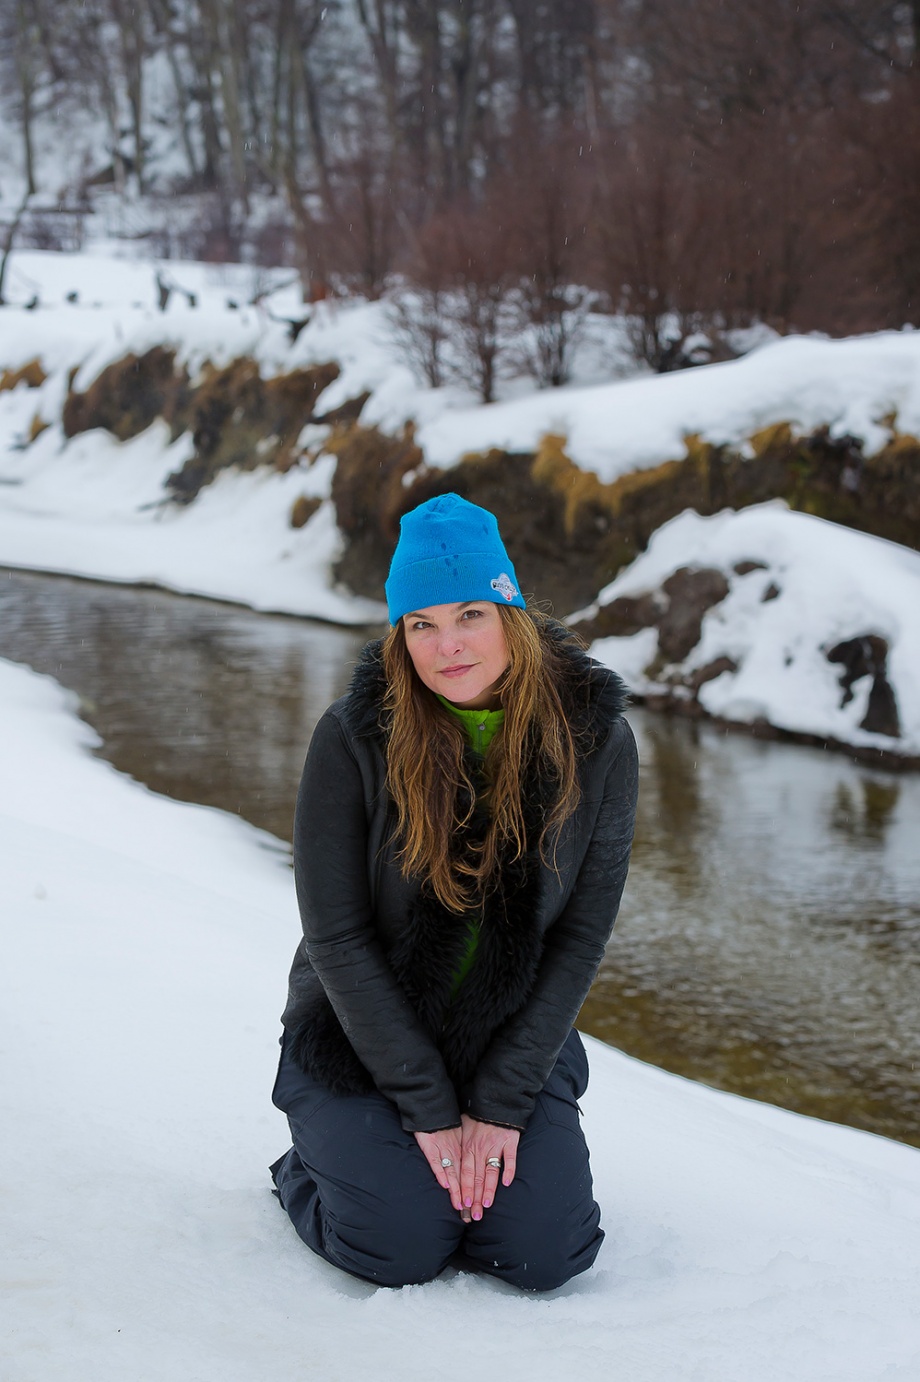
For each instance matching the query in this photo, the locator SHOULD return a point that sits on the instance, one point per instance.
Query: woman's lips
(456, 671)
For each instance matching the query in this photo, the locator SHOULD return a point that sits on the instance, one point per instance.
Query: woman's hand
(483, 1142)
(438, 1147)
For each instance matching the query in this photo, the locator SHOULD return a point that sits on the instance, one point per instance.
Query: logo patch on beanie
(504, 585)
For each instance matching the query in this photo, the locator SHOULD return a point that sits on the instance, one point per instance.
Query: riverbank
(147, 944)
(242, 446)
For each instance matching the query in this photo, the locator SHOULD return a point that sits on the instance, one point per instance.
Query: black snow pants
(360, 1193)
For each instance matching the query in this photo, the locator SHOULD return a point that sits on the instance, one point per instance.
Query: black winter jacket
(369, 1002)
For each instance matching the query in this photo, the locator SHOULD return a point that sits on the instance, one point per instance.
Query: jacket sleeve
(330, 872)
(522, 1054)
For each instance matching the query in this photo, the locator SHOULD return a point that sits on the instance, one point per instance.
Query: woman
(461, 843)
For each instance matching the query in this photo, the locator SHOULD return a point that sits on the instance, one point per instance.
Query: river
(769, 939)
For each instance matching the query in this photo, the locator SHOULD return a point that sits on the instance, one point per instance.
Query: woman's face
(459, 651)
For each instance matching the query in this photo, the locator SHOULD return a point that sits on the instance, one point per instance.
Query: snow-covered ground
(146, 945)
(816, 585)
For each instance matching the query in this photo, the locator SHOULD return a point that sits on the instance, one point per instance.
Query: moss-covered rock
(551, 514)
(302, 510)
(37, 426)
(570, 533)
(129, 395)
(236, 417)
(31, 374)
(368, 490)
(240, 420)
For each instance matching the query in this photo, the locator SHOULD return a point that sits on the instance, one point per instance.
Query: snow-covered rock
(783, 591)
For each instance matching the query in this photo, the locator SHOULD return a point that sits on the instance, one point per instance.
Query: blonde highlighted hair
(428, 777)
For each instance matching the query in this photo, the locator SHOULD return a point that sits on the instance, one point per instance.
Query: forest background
(696, 167)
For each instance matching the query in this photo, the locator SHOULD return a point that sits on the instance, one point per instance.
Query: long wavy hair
(428, 773)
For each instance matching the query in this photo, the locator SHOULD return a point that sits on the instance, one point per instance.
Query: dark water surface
(769, 940)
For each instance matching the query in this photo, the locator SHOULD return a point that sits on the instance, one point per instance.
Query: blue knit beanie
(449, 550)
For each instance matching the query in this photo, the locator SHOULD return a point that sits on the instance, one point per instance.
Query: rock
(302, 510)
(690, 594)
(711, 670)
(676, 611)
(31, 374)
(867, 656)
(628, 615)
(744, 568)
(128, 395)
(346, 413)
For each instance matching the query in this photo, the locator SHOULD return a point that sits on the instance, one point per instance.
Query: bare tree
(129, 20)
(545, 199)
(8, 240)
(556, 42)
(28, 66)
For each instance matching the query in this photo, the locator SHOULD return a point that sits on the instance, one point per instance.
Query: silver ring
(446, 1161)
(495, 1162)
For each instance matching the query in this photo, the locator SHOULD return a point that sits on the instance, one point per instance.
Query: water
(202, 701)
(768, 940)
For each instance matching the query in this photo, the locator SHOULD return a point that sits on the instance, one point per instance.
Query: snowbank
(146, 945)
(815, 586)
(637, 423)
(93, 506)
(852, 386)
(97, 509)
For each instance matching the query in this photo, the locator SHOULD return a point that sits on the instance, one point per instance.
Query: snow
(638, 423)
(234, 543)
(834, 584)
(853, 386)
(146, 945)
(92, 506)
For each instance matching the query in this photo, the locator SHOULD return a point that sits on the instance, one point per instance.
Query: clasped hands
(469, 1179)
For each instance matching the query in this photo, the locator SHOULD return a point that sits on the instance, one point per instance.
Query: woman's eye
(472, 614)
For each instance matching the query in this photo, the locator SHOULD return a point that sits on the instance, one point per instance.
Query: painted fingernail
(486, 1204)
(477, 1215)
(468, 1202)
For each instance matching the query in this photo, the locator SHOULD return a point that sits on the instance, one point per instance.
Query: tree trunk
(25, 72)
(320, 150)
(161, 19)
(383, 49)
(8, 242)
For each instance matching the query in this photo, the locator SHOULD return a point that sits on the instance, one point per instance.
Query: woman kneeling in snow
(461, 843)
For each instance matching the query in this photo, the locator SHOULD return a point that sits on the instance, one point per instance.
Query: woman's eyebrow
(465, 604)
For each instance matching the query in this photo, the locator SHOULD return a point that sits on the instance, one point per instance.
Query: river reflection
(202, 701)
(768, 941)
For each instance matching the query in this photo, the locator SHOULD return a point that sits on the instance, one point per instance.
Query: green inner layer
(481, 727)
